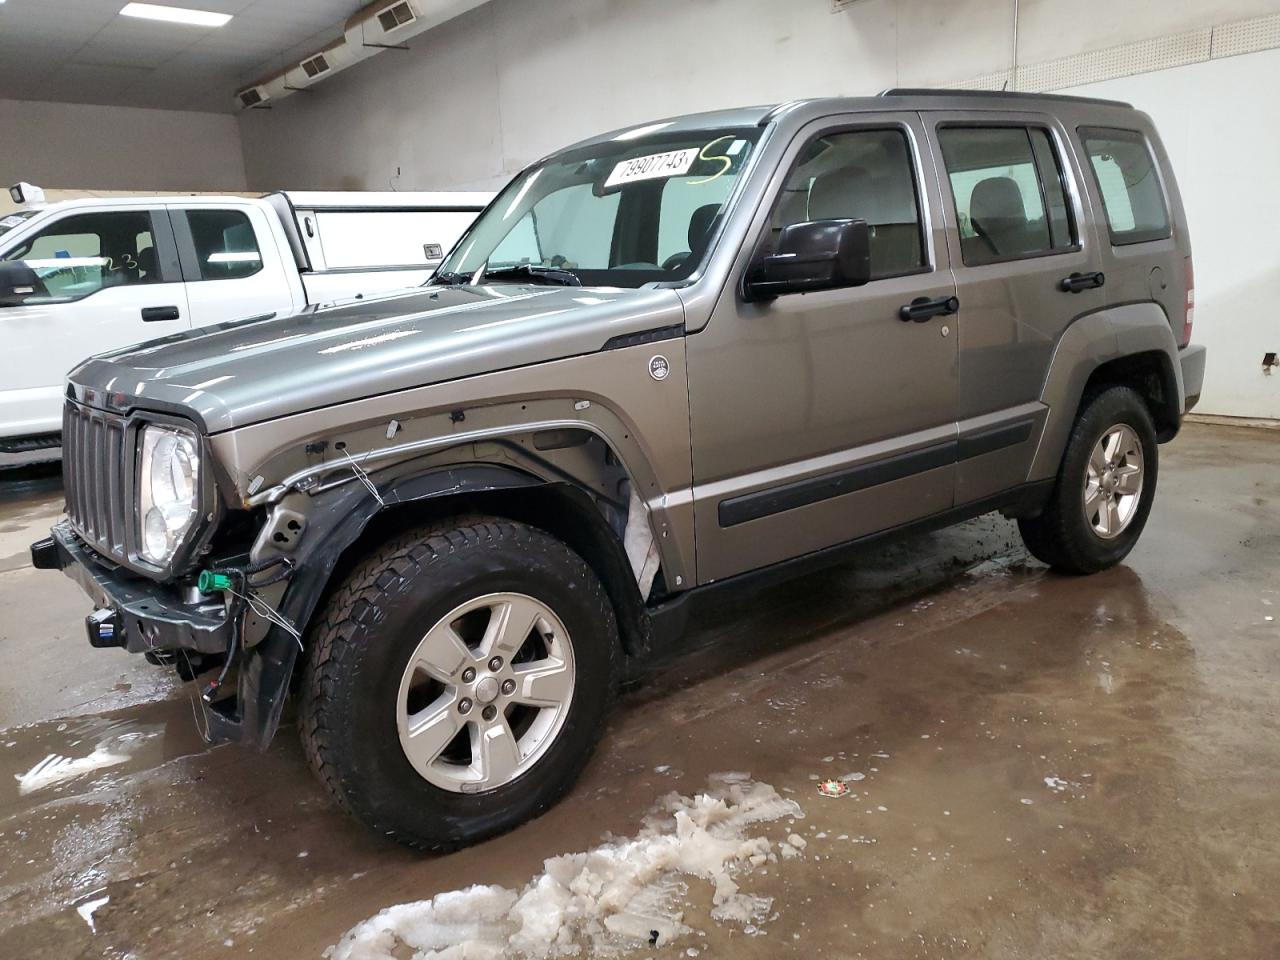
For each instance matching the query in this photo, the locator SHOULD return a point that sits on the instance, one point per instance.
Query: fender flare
(1086, 345)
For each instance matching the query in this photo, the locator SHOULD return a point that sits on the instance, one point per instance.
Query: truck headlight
(168, 489)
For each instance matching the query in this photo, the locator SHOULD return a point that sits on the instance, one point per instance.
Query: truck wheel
(458, 681)
(1104, 489)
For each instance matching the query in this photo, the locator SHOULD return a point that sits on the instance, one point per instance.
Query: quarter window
(225, 245)
(1007, 187)
(859, 175)
(1129, 185)
(82, 254)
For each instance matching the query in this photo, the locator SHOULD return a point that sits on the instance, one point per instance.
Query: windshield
(631, 211)
(11, 220)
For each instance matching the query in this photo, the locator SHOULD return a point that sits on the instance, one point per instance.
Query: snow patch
(623, 895)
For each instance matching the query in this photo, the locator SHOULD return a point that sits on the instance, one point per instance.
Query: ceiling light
(194, 18)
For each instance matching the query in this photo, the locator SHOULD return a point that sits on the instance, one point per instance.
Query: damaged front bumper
(146, 617)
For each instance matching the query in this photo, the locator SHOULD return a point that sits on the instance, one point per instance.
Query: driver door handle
(1078, 282)
(157, 314)
(922, 309)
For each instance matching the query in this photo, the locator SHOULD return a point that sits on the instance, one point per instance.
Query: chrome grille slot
(95, 465)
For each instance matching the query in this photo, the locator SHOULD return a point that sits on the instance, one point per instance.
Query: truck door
(232, 263)
(100, 280)
(822, 417)
(1025, 268)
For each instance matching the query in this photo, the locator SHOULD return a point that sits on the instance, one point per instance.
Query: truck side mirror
(816, 255)
(17, 282)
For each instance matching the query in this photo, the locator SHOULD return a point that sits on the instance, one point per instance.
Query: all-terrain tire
(1062, 535)
(359, 651)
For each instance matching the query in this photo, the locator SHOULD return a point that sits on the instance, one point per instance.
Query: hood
(247, 371)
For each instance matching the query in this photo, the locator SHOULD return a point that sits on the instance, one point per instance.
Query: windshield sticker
(673, 163)
(12, 221)
(726, 163)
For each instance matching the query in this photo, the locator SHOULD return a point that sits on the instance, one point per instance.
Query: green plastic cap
(210, 582)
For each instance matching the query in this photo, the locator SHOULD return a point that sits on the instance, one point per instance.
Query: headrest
(997, 198)
(838, 195)
(700, 224)
(146, 259)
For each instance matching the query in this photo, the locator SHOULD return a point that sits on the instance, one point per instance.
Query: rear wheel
(1104, 489)
(458, 682)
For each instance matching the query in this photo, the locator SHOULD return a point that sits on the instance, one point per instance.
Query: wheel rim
(485, 692)
(1113, 482)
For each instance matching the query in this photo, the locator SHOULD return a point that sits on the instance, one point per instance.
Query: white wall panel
(118, 148)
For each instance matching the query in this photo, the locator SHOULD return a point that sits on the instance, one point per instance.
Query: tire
(1067, 535)
(361, 700)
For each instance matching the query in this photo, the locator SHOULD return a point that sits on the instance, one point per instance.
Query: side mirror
(17, 282)
(817, 255)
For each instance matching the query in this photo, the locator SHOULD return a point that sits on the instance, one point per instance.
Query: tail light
(1189, 313)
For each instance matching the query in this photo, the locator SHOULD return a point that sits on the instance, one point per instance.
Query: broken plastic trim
(296, 481)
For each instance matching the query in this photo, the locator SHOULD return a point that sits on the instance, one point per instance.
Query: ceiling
(83, 51)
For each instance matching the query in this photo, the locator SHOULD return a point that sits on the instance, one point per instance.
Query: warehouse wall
(77, 146)
(478, 98)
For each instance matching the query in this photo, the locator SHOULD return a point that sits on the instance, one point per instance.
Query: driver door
(102, 280)
(822, 417)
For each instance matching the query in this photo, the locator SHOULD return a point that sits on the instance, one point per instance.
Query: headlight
(168, 490)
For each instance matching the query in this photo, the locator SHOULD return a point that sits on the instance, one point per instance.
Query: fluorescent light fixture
(194, 18)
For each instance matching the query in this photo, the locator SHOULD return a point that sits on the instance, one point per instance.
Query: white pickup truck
(82, 277)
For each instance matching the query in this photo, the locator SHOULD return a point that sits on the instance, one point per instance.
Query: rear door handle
(157, 314)
(1082, 281)
(922, 308)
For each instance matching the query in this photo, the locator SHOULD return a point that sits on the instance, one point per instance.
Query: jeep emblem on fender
(659, 368)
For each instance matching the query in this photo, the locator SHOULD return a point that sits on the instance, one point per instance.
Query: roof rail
(1010, 94)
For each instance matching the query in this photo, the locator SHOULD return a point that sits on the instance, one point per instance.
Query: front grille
(95, 467)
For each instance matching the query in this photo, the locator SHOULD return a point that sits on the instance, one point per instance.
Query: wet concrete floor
(1051, 766)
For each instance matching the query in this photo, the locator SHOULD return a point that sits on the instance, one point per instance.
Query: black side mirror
(17, 282)
(817, 255)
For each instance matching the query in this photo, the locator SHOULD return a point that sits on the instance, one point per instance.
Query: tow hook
(103, 627)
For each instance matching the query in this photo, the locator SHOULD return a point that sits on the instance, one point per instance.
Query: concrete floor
(1075, 767)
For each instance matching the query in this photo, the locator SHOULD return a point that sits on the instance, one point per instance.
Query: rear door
(1026, 265)
(232, 263)
(102, 279)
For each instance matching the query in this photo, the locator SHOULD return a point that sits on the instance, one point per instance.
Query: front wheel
(458, 681)
(1104, 489)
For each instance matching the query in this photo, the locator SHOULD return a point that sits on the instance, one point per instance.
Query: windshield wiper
(528, 271)
(449, 279)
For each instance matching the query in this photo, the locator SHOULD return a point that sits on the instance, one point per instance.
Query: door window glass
(1007, 188)
(81, 254)
(226, 248)
(1130, 187)
(859, 175)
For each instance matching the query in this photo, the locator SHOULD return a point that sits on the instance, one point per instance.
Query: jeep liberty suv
(670, 359)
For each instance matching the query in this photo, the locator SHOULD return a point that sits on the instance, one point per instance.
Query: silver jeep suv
(674, 358)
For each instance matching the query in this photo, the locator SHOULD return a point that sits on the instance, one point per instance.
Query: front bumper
(149, 616)
(1192, 360)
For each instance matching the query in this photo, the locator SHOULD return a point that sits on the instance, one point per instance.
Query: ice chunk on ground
(622, 895)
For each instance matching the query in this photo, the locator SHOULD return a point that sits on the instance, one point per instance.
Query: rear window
(226, 248)
(1129, 184)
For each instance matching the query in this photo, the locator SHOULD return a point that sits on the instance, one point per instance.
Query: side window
(1126, 176)
(859, 175)
(225, 245)
(1007, 186)
(82, 254)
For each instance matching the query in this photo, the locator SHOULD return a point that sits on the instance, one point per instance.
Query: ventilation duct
(383, 25)
(260, 94)
(316, 67)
